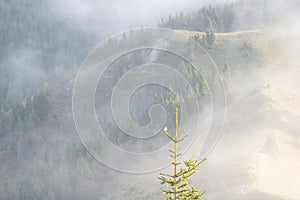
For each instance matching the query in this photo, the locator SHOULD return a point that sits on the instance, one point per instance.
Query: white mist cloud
(120, 15)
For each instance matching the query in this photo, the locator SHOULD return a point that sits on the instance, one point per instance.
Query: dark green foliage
(26, 115)
(197, 90)
(228, 17)
(203, 41)
(178, 185)
(206, 18)
(41, 106)
(195, 79)
(36, 46)
(210, 38)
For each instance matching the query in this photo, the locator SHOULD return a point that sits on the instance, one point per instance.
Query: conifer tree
(178, 184)
(210, 38)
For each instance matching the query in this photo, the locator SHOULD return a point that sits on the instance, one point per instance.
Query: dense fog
(46, 45)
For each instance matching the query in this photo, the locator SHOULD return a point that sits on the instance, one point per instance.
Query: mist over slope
(257, 156)
(42, 157)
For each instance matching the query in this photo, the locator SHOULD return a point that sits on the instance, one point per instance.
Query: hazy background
(43, 43)
(107, 18)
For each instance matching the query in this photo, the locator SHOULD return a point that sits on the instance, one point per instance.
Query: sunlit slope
(254, 48)
(258, 156)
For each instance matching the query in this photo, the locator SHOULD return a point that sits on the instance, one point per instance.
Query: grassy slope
(259, 141)
(242, 49)
(228, 174)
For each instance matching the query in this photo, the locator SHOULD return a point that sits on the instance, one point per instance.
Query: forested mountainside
(41, 156)
(37, 43)
(231, 16)
(38, 48)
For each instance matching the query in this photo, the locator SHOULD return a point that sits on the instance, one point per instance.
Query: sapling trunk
(178, 185)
